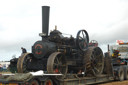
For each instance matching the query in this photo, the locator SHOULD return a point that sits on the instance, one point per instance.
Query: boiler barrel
(43, 49)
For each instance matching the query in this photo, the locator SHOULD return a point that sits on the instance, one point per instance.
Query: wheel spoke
(80, 38)
(96, 69)
(55, 65)
(83, 33)
(58, 60)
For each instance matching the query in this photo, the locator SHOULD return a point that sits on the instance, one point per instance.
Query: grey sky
(20, 21)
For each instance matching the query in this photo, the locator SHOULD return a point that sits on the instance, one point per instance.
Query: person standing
(23, 50)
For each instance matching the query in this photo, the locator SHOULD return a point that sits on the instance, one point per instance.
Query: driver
(23, 50)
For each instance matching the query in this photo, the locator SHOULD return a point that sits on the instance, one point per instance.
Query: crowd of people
(3, 68)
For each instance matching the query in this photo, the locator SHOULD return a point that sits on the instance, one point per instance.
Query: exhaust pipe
(45, 20)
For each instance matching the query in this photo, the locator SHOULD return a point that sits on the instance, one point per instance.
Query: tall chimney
(45, 20)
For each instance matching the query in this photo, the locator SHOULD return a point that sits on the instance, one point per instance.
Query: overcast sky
(20, 22)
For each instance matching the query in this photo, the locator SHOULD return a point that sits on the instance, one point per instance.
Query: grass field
(5, 72)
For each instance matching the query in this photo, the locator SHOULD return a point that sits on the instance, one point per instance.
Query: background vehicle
(119, 57)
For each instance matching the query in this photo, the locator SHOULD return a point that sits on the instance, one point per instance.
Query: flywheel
(93, 61)
(56, 64)
(23, 60)
(82, 40)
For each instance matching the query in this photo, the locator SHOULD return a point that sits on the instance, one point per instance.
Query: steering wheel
(82, 40)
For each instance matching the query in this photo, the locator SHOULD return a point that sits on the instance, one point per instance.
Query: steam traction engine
(58, 54)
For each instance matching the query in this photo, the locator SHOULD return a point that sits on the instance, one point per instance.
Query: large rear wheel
(93, 61)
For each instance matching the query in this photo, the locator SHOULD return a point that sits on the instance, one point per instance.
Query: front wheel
(126, 73)
(119, 74)
(56, 64)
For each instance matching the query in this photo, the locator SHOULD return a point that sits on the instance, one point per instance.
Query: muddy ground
(115, 83)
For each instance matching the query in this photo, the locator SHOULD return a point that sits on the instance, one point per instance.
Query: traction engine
(58, 54)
